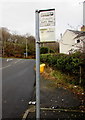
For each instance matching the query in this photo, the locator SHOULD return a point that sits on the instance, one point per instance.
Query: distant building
(81, 38)
(72, 41)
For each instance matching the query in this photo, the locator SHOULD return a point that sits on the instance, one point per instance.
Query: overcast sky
(19, 15)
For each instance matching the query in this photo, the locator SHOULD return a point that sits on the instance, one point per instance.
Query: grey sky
(19, 15)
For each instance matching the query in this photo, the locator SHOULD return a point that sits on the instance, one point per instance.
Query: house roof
(79, 33)
(75, 31)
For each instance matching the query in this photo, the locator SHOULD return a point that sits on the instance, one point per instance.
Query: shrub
(69, 64)
(45, 50)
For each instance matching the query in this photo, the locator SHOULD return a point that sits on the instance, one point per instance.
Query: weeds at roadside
(60, 79)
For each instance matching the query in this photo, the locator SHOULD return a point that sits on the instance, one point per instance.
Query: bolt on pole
(37, 67)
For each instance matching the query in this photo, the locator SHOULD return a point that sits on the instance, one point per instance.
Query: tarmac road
(57, 103)
(17, 86)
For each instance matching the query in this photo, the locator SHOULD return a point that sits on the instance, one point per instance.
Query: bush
(69, 64)
(45, 50)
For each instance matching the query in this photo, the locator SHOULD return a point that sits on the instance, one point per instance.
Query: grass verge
(60, 79)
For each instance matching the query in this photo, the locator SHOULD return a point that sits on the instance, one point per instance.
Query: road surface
(17, 86)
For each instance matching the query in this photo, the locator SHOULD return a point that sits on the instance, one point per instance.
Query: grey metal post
(37, 67)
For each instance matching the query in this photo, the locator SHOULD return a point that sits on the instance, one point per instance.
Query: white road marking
(11, 64)
(20, 62)
(9, 60)
(17, 61)
(31, 109)
(5, 67)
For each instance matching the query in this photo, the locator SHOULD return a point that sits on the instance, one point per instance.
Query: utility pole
(84, 13)
(37, 66)
(26, 48)
(83, 27)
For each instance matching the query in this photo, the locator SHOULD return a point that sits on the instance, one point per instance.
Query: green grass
(60, 79)
(67, 78)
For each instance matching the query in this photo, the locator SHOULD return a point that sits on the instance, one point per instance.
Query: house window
(78, 41)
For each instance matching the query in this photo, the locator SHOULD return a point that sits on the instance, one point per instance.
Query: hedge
(45, 50)
(69, 64)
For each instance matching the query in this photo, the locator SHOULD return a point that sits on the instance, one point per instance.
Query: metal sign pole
(37, 67)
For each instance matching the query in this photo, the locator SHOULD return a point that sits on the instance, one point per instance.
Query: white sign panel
(47, 25)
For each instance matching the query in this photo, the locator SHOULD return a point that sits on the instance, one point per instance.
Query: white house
(72, 41)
